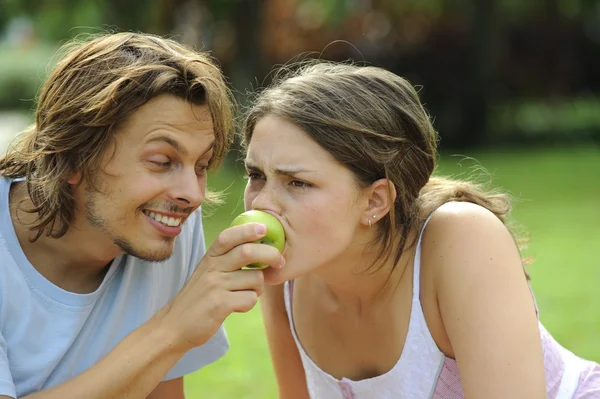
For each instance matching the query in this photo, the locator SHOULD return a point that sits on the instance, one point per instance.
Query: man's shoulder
(193, 222)
(7, 241)
(191, 238)
(192, 234)
(4, 185)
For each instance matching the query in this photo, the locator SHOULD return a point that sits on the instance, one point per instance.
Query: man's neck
(75, 262)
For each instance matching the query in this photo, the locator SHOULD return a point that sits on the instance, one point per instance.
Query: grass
(557, 195)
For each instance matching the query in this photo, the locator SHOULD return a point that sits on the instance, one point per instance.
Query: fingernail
(261, 229)
(282, 262)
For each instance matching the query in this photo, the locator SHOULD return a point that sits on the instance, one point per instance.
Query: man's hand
(219, 286)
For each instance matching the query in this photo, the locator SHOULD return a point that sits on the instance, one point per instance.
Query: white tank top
(424, 372)
(413, 377)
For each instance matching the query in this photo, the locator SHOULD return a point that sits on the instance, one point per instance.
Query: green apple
(275, 235)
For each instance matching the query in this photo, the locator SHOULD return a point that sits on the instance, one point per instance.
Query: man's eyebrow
(170, 141)
(176, 145)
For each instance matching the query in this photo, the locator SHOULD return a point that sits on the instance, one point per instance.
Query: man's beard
(95, 218)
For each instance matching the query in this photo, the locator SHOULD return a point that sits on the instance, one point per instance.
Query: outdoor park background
(511, 85)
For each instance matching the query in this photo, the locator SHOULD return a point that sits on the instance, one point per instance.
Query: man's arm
(133, 369)
(172, 389)
(218, 287)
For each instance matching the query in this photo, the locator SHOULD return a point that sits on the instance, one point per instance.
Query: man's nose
(188, 189)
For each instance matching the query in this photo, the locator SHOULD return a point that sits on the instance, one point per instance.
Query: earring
(369, 220)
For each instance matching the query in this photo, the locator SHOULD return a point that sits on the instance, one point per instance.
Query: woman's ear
(381, 197)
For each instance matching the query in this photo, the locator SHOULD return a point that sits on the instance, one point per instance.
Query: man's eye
(165, 164)
(300, 184)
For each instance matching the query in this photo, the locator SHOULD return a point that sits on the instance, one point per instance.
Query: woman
(396, 284)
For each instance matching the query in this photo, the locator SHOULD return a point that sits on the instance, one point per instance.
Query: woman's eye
(201, 169)
(254, 176)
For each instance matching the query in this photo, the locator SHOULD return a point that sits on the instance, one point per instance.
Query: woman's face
(316, 199)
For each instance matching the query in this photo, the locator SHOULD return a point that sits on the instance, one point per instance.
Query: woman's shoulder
(461, 209)
(471, 268)
(465, 237)
(463, 223)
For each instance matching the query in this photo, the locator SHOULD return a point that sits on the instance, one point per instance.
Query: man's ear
(381, 197)
(74, 179)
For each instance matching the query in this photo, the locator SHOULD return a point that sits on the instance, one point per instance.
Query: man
(105, 287)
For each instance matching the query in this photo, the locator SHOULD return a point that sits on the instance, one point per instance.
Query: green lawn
(558, 203)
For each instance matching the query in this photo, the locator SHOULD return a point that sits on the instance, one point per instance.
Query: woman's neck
(359, 283)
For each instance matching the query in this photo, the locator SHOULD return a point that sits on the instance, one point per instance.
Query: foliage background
(512, 85)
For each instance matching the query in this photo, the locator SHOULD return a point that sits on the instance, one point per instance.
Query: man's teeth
(169, 221)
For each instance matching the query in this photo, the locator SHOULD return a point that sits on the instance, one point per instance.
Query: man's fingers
(246, 254)
(235, 248)
(243, 301)
(234, 236)
(244, 280)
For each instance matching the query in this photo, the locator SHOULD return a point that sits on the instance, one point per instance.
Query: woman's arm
(286, 360)
(485, 304)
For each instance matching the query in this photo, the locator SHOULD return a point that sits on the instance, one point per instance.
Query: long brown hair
(97, 84)
(372, 121)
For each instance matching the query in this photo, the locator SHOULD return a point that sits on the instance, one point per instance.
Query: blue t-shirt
(49, 335)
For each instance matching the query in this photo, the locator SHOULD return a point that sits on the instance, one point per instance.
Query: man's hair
(92, 90)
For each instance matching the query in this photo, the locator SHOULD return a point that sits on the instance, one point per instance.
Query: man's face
(152, 178)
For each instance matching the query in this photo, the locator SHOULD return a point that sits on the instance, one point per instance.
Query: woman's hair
(372, 122)
(92, 90)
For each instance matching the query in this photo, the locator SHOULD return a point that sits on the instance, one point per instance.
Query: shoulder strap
(417, 262)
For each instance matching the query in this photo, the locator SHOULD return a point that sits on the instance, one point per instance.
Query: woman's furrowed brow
(280, 170)
(291, 170)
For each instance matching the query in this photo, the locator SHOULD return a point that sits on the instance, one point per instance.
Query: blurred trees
(490, 70)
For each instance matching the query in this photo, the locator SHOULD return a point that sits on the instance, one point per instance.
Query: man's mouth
(163, 219)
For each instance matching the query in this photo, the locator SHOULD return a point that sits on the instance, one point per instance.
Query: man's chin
(158, 253)
(152, 257)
